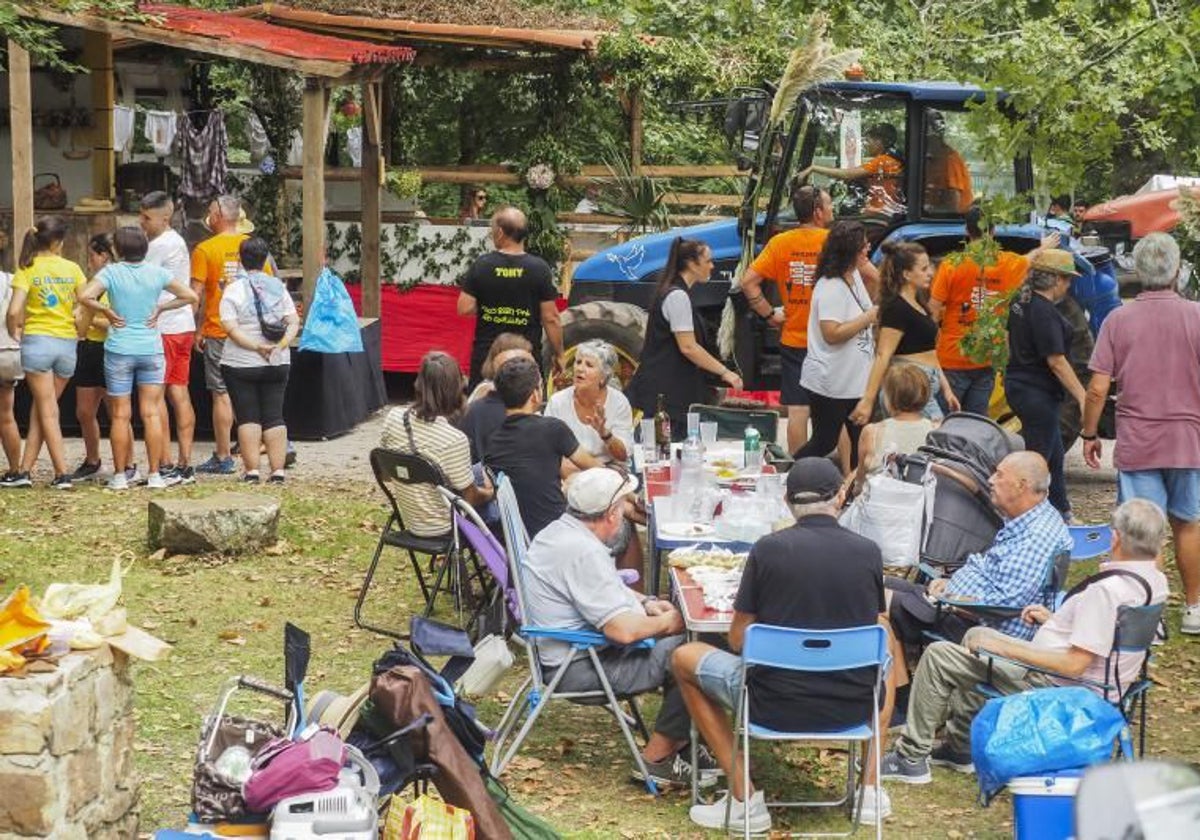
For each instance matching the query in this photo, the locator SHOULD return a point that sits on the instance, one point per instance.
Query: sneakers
(133, 475)
(277, 478)
(61, 482)
(250, 478)
(15, 479)
(161, 481)
(187, 475)
(704, 761)
(911, 771)
(713, 816)
(1190, 622)
(218, 466)
(673, 772)
(289, 460)
(119, 481)
(85, 471)
(944, 756)
(875, 801)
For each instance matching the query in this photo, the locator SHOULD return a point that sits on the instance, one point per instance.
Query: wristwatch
(606, 437)
(1082, 436)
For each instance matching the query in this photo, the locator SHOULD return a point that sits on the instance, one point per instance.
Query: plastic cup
(693, 423)
(708, 433)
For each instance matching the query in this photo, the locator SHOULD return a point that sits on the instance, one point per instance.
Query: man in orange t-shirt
(957, 293)
(215, 264)
(790, 260)
(882, 172)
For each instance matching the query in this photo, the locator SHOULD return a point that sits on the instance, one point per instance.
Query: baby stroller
(961, 454)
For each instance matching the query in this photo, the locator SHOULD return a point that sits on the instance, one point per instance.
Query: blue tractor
(611, 290)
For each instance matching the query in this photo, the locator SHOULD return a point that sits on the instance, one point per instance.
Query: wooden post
(635, 130)
(372, 179)
(21, 121)
(316, 125)
(98, 56)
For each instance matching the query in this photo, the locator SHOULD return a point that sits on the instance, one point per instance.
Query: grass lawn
(225, 617)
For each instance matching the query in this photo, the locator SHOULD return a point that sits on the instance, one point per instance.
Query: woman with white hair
(598, 414)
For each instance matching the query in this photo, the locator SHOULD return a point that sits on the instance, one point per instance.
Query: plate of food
(689, 530)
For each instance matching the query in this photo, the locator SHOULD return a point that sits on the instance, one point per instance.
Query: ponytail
(683, 252)
(48, 231)
(898, 257)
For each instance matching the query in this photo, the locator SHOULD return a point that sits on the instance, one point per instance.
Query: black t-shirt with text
(508, 290)
(529, 449)
(815, 575)
(1036, 329)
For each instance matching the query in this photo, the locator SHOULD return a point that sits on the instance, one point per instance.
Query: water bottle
(753, 448)
(691, 477)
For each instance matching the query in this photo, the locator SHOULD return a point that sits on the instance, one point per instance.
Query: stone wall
(66, 751)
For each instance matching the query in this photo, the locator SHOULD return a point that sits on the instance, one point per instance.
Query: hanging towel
(354, 144)
(202, 153)
(295, 155)
(123, 117)
(260, 144)
(160, 131)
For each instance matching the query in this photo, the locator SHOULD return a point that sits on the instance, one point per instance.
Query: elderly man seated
(1011, 573)
(815, 575)
(1075, 642)
(571, 583)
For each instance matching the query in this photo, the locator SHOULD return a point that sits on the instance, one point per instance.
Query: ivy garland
(435, 256)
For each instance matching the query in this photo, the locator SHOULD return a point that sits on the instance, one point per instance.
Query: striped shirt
(425, 512)
(1012, 572)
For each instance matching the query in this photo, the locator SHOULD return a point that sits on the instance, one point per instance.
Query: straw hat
(244, 225)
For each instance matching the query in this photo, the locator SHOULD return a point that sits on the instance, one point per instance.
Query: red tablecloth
(418, 320)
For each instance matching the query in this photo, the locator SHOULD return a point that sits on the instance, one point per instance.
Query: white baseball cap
(594, 491)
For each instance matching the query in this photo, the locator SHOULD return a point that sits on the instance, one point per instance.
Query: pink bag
(289, 768)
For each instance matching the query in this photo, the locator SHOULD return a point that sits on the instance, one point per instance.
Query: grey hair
(230, 207)
(1156, 261)
(1142, 526)
(828, 507)
(1042, 281)
(603, 353)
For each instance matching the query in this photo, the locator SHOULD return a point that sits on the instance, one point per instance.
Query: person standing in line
(841, 341)
(177, 327)
(133, 350)
(1039, 373)
(675, 355)
(260, 319)
(10, 374)
(1151, 347)
(215, 264)
(508, 290)
(41, 316)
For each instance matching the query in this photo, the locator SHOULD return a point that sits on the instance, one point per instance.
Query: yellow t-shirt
(50, 284)
(98, 328)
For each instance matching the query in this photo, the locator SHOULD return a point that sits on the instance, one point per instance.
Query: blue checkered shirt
(1014, 570)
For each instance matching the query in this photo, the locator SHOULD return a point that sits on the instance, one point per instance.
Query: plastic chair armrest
(579, 638)
(982, 653)
(981, 608)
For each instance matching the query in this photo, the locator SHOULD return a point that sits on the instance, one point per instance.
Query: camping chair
(400, 468)
(1088, 541)
(497, 604)
(1133, 635)
(535, 693)
(813, 651)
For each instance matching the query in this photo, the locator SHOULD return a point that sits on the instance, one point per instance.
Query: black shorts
(89, 365)
(791, 361)
(257, 393)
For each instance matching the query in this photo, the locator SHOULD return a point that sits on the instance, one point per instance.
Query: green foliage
(404, 183)
(1188, 236)
(636, 198)
(406, 258)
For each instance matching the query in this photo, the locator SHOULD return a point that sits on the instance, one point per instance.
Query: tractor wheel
(622, 325)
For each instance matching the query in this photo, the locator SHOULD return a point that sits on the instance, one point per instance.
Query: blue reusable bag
(1043, 730)
(331, 324)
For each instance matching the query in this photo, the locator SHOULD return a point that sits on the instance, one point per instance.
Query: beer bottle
(662, 430)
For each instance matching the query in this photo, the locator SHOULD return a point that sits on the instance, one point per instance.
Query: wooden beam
(372, 175)
(98, 58)
(20, 101)
(635, 130)
(715, 199)
(316, 126)
(186, 41)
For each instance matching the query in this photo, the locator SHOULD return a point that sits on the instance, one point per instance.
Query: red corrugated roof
(280, 40)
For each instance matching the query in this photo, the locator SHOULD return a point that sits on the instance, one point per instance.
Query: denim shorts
(1175, 490)
(122, 371)
(720, 676)
(45, 354)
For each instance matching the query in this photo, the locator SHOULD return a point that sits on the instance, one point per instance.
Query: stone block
(25, 729)
(227, 523)
(29, 805)
(83, 779)
(71, 718)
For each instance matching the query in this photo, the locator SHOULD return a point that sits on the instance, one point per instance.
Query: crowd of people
(859, 345)
(131, 329)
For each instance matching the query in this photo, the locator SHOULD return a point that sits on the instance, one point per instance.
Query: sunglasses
(481, 196)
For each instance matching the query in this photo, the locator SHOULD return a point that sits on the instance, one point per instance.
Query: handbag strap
(258, 305)
(1107, 573)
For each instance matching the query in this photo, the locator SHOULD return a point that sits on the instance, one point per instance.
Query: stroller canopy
(972, 443)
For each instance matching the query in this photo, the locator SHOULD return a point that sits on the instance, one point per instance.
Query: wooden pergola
(325, 61)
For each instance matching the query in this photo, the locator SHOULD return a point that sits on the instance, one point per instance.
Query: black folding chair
(394, 468)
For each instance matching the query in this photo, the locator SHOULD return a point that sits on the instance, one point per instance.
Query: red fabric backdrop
(418, 320)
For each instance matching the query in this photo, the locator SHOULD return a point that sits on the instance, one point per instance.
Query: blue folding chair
(821, 651)
(535, 693)
(1088, 541)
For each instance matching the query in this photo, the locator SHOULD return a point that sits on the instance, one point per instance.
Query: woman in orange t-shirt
(881, 172)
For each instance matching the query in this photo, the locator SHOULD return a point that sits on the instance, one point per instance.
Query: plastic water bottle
(691, 476)
(753, 448)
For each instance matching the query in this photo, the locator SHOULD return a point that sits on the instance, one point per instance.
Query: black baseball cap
(813, 480)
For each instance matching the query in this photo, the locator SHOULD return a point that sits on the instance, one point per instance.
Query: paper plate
(687, 529)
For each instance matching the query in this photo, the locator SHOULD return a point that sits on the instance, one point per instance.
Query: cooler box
(1044, 806)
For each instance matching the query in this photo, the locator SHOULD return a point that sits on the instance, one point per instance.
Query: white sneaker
(713, 816)
(118, 482)
(1190, 623)
(158, 481)
(875, 799)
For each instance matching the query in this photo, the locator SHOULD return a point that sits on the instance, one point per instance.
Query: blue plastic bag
(1041, 731)
(331, 324)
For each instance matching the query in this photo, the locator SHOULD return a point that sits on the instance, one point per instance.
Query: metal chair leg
(534, 713)
(616, 709)
(638, 720)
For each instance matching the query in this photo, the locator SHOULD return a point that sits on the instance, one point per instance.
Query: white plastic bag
(492, 659)
(78, 600)
(890, 513)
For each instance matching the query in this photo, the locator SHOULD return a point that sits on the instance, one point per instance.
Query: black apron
(663, 369)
